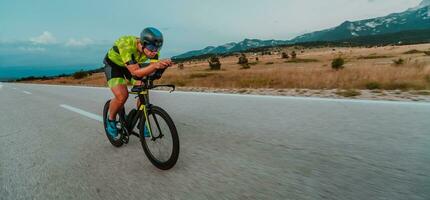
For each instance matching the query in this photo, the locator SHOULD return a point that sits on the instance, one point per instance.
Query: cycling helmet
(152, 37)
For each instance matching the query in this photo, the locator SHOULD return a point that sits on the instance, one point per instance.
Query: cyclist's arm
(135, 70)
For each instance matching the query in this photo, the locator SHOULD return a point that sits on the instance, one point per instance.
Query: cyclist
(130, 59)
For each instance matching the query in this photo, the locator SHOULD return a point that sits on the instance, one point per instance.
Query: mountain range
(416, 18)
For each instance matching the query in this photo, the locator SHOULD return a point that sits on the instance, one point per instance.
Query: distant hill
(396, 24)
(404, 37)
(412, 19)
(232, 47)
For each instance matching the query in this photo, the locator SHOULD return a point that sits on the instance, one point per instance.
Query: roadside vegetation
(317, 68)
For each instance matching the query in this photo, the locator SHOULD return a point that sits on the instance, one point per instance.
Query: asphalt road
(232, 147)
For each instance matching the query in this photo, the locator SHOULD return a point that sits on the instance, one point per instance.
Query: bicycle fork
(144, 108)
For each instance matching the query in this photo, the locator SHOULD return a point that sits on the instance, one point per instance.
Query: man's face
(149, 53)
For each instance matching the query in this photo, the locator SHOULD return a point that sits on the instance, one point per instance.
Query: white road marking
(364, 101)
(83, 112)
(26, 92)
(69, 86)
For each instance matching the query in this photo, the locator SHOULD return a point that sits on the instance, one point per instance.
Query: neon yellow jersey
(125, 50)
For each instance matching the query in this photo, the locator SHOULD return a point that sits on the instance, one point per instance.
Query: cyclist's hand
(162, 64)
(166, 62)
(159, 65)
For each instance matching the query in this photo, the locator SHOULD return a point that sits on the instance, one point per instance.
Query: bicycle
(141, 116)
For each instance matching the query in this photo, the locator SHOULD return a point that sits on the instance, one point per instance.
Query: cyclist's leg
(133, 81)
(120, 97)
(118, 85)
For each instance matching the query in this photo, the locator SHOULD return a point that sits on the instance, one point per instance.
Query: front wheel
(162, 147)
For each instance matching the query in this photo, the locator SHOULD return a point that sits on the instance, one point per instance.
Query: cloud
(45, 38)
(32, 49)
(79, 42)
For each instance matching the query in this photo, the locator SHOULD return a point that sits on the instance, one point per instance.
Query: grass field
(364, 68)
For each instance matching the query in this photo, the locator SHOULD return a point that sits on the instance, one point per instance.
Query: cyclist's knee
(122, 98)
(121, 93)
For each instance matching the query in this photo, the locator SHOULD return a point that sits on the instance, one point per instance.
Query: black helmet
(151, 36)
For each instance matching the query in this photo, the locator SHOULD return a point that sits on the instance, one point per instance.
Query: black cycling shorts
(116, 75)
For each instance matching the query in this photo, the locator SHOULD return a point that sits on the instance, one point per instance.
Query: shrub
(214, 63)
(348, 93)
(243, 61)
(425, 93)
(413, 51)
(298, 60)
(427, 53)
(29, 78)
(241, 91)
(256, 59)
(402, 86)
(80, 74)
(373, 86)
(285, 55)
(337, 63)
(293, 55)
(373, 57)
(181, 66)
(46, 78)
(270, 63)
(399, 61)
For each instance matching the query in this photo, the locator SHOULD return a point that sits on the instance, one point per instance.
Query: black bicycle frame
(143, 94)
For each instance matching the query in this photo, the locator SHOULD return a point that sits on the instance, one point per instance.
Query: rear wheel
(117, 142)
(162, 149)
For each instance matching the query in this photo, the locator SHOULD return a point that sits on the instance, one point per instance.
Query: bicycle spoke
(158, 126)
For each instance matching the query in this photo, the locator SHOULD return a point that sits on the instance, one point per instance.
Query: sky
(186, 24)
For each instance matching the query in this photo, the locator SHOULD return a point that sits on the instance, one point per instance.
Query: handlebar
(147, 82)
(140, 88)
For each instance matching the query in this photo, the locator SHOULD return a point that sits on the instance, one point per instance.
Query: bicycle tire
(115, 143)
(173, 158)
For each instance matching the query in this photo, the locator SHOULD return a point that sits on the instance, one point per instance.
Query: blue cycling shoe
(146, 132)
(111, 128)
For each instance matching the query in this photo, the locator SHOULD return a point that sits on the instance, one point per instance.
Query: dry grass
(409, 76)
(367, 68)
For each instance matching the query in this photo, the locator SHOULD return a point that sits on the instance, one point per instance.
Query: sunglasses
(152, 48)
